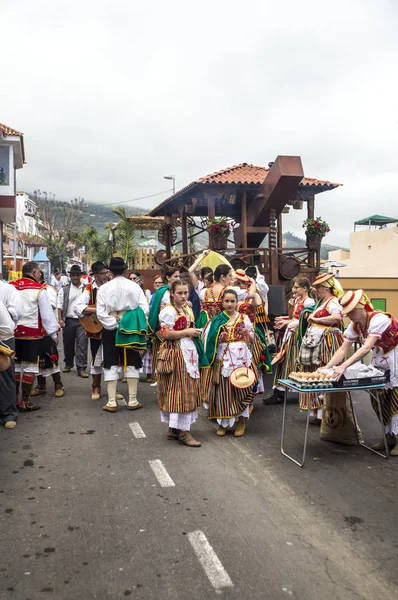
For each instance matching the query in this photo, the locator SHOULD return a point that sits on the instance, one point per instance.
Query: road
(83, 515)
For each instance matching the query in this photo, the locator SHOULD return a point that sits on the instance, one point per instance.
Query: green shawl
(132, 332)
(153, 317)
(212, 337)
(266, 363)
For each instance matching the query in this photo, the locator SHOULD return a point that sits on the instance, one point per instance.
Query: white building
(26, 217)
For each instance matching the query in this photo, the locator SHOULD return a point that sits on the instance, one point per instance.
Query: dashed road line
(137, 430)
(209, 560)
(161, 474)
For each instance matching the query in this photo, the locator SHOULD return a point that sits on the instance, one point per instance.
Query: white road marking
(161, 474)
(121, 402)
(209, 560)
(137, 430)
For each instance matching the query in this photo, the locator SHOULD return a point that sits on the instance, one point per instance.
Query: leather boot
(111, 405)
(26, 404)
(221, 431)
(58, 387)
(40, 389)
(132, 384)
(187, 439)
(173, 434)
(276, 398)
(240, 427)
(96, 387)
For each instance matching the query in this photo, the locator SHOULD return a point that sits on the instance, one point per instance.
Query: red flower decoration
(262, 357)
(54, 358)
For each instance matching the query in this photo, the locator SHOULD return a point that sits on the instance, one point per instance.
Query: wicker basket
(218, 242)
(314, 241)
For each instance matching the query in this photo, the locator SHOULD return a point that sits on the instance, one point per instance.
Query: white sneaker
(154, 384)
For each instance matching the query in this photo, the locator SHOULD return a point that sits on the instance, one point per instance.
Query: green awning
(376, 220)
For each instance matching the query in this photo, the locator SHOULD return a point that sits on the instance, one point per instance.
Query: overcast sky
(111, 96)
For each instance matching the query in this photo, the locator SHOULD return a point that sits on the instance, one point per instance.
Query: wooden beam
(184, 232)
(211, 206)
(311, 208)
(243, 222)
(258, 229)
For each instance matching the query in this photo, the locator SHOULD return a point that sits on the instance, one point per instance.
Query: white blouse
(238, 354)
(167, 318)
(377, 326)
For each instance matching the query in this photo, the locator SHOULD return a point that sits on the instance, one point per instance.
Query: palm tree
(124, 236)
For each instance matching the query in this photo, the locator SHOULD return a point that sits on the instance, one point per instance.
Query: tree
(58, 226)
(124, 238)
(98, 246)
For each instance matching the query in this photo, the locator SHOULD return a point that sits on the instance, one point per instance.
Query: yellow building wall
(376, 287)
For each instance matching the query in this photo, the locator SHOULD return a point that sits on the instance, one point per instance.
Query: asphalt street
(96, 505)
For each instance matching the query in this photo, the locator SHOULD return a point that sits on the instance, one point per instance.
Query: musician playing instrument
(86, 310)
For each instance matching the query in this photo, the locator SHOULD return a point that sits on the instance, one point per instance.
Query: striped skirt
(227, 401)
(177, 391)
(330, 343)
(283, 369)
(389, 404)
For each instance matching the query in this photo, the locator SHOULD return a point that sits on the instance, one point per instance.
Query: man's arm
(106, 320)
(82, 305)
(14, 304)
(142, 301)
(47, 316)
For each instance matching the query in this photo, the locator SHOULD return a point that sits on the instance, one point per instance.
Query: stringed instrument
(90, 322)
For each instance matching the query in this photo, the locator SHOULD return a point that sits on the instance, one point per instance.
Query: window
(4, 165)
(379, 304)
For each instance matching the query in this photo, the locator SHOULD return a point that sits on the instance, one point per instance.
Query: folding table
(288, 385)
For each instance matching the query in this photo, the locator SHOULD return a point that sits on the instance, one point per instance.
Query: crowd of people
(202, 337)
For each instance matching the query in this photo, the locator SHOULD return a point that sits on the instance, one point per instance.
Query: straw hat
(241, 275)
(242, 377)
(350, 300)
(322, 278)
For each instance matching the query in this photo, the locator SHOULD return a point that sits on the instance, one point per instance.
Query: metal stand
(357, 430)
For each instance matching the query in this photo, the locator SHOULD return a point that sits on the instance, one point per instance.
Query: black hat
(98, 266)
(117, 265)
(75, 270)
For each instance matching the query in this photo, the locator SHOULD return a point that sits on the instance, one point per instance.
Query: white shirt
(119, 294)
(48, 319)
(56, 283)
(74, 294)
(7, 325)
(9, 296)
(83, 301)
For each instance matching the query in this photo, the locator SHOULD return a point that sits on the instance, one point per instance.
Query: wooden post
(243, 220)
(184, 232)
(274, 264)
(312, 259)
(211, 204)
(279, 242)
(169, 222)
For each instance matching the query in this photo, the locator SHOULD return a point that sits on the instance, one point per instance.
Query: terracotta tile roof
(9, 130)
(252, 175)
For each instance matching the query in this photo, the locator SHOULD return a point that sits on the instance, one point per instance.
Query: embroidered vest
(388, 339)
(29, 326)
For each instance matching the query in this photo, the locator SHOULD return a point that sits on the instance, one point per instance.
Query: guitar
(91, 323)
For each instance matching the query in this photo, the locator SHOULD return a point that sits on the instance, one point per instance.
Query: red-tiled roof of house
(250, 174)
(10, 131)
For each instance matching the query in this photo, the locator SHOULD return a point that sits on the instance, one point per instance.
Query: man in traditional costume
(37, 321)
(74, 335)
(122, 309)
(86, 306)
(378, 333)
(11, 309)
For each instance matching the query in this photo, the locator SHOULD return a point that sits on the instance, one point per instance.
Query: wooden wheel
(162, 234)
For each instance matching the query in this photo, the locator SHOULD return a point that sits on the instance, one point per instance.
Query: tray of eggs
(311, 381)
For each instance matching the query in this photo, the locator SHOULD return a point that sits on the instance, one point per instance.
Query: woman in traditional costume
(227, 348)
(211, 302)
(378, 333)
(285, 360)
(159, 300)
(322, 338)
(178, 367)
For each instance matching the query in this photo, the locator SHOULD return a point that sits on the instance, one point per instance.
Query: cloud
(113, 96)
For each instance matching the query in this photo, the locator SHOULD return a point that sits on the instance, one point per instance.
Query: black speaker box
(276, 301)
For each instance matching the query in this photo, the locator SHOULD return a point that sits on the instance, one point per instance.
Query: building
(371, 263)
(26, 214)
(254, 198)
(12, 157)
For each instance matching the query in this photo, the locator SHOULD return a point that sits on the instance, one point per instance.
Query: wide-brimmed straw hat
(321, 279)
(350, 300)
(242, 377)
(241, 275)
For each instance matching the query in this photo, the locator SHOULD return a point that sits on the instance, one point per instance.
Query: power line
(135, 199)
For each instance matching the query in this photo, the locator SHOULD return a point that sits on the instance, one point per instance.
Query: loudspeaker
(276, 301)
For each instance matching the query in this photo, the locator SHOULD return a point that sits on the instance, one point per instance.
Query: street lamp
(173, 179)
